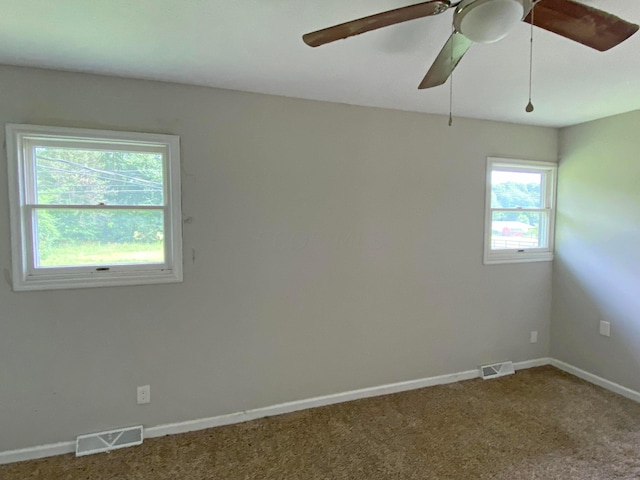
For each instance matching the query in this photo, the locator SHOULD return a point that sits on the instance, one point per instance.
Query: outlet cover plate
(144, 394)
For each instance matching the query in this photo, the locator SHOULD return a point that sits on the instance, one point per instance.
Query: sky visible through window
(498, 176)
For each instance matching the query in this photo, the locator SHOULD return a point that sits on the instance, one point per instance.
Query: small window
(520, 211)
(93, 208)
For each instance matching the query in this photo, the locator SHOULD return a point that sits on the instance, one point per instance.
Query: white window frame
(25, 274)
(548, 195)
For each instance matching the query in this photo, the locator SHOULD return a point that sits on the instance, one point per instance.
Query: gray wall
(336, 247)
(597, 265)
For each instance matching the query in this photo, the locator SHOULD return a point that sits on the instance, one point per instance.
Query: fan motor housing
(487, 21)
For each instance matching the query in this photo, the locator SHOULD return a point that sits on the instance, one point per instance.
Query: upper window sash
(30, 144)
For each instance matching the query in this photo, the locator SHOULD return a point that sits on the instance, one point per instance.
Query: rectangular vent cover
(107, 441)
(496, 370)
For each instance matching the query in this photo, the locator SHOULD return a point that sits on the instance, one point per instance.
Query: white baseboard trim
(536, 362)
(288, 407)
(247, 415)
(596, 380)
(60, 448)
(40, 451)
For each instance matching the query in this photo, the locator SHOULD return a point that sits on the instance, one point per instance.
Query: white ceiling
(256, 46)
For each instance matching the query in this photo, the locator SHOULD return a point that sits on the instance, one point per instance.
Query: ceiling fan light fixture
(487, 21)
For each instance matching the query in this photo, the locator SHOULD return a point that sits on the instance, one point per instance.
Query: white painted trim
(40, 451)
(288, 407)
(536, 362)
(298, 405)
(596, 380)
(60, 448)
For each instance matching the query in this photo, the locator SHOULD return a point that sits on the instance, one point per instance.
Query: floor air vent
(496, 370)
(106, 441)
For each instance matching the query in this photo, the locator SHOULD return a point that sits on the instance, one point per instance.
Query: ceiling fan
(487, 21)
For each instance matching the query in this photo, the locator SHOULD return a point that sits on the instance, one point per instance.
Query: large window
(93, 208)
(520, 211)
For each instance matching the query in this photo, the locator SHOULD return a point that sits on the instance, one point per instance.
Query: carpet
(540, 423)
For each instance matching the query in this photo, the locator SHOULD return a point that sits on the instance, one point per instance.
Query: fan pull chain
(453, 29)
(529, 107)
(450, 100)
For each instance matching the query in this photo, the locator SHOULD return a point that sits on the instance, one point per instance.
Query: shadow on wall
(597, 266)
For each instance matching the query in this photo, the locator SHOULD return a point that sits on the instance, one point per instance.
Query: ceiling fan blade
(446, 61)
(581, 23)
(373, 22)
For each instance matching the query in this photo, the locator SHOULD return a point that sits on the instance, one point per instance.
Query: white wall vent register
(496, 370)
(107, 441)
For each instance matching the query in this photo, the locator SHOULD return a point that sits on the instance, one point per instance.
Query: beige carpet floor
(537, 424)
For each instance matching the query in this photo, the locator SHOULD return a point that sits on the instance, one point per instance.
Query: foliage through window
(519, 214)
(93, 207)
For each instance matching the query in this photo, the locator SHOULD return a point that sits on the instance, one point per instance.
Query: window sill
(524, 257)
(112, 279)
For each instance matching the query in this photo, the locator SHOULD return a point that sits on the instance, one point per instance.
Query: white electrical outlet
(534, 336)
(144, 394)
(605, 328)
